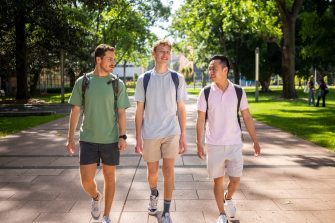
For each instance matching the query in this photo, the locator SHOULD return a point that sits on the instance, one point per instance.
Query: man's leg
(233, 185)
(168, 173)
(109, 178)
(152, 175)
(219, 193)
(87, 174)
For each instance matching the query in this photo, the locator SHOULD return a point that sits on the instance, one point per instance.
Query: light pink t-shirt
(222, 127)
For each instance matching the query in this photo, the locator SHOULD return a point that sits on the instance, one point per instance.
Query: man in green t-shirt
(103, 130)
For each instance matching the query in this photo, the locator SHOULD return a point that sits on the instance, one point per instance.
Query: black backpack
(238, 91)
(86, 83)
(146, 79)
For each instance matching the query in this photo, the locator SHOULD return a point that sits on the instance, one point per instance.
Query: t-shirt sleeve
(76, 97)
(244, 102)
(123, 99)
(139, 91)
(201, 103)
(181, 92)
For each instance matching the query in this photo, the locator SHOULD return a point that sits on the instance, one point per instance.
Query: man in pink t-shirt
(223, 134)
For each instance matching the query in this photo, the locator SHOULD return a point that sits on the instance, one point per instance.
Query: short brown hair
(163, 42)
(102, 49)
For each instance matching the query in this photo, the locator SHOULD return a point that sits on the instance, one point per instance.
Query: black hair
(223, 60)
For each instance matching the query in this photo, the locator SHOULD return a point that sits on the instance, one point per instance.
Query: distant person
(103, 131)
(323, 91)
(311, 92)
(223, 134)
(160, 120)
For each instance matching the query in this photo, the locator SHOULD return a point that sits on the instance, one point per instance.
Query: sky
(161, 33)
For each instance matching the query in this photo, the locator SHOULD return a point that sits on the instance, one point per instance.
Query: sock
(97, 197)
(167, 204)
(154, 191)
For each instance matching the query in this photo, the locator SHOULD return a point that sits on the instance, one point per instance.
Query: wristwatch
(123, 137)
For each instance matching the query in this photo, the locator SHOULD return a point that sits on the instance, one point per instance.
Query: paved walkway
(293, 181)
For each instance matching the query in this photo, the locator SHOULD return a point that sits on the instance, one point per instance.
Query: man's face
(216, 70)
(107, 62)
(162, 54)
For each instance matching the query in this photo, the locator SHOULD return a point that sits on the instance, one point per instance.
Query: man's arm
(73, 122)
(122, 127)
(249, 124)
(182, 124)
(200, 127)
(138, 126)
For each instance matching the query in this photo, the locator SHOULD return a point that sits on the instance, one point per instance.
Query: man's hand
(122, 145)
(70, 146)
(139, 146)
(257, 149)
(201, 151)
(182, 144)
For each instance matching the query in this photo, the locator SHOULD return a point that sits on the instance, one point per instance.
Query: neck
(161, 68)
(223, 84)
(100, 73)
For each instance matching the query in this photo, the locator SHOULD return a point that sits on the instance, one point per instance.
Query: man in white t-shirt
(160, 122)
(223, 134)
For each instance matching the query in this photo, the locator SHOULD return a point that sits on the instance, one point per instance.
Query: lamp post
(256, 72)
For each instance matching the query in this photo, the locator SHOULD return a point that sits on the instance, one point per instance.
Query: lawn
(11, 125)
(315, 124)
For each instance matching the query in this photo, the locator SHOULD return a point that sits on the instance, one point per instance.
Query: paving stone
(63, 217)
(302, 204)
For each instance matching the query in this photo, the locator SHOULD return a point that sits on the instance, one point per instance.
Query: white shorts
(224, 158)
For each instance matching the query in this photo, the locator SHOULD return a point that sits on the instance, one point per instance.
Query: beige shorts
(222, 159)
(156, 149)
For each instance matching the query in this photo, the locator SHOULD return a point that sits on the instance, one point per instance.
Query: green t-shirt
(100, 121)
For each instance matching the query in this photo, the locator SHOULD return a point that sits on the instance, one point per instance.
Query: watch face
(123, 137)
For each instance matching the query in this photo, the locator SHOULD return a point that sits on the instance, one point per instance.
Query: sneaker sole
(95, 218)
(152, 212)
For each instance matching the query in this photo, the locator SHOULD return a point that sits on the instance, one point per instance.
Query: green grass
(315, 124)
(11, 125)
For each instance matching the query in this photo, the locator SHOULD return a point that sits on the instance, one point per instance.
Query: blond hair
(163, 42)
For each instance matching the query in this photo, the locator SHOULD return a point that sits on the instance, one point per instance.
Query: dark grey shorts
(91, 153)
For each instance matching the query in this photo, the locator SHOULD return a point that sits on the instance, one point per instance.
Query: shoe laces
(153, 201)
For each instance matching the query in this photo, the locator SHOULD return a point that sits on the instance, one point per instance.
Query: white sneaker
(152, 208)
(106, 219)
(222, 219)
(166, 218)
(96, 207)
(229, 207)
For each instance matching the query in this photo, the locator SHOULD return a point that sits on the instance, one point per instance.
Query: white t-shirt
(160, 113)
(222, 126)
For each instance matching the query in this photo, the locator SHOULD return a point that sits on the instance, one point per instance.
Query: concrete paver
(293, 180)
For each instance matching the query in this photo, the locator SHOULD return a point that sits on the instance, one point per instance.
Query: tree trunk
(20, 57)
(36, 77)
(288, 58)
(236, 73)
(72, 77)
(288, 16)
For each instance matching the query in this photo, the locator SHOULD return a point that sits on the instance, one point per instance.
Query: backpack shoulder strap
(175, 79)
(207, 89)
(239, 92)
(84, 85)
(146, 79)
(115, 85)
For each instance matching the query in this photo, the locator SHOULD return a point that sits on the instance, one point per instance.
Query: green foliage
(232, 28)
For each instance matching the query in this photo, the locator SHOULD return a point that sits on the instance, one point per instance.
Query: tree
(288, 10)
(232, 28)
